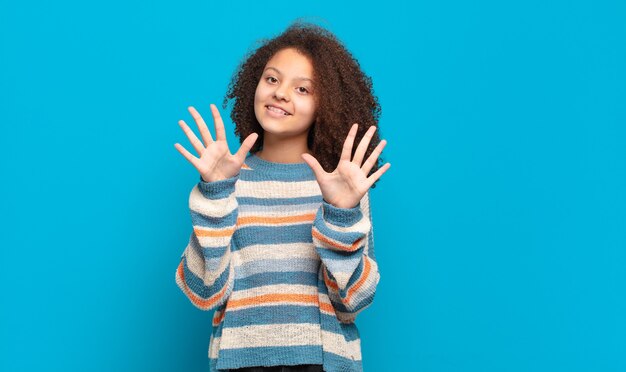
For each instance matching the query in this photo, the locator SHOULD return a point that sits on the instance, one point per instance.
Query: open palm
(348, 183)
(215, 162)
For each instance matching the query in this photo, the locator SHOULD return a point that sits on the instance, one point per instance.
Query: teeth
(276, 109)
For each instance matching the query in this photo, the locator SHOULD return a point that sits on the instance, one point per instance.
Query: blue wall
(500, 227)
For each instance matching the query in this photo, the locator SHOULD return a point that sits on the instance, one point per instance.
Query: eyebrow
(297, 78)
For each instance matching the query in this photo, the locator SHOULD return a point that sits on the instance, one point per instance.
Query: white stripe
(211, 207)
(213, 241)
(196, 264)
(295, 289)
(212, 264)
(276, 303)
(214, 347)
(362, 226)
(270, 335)
(277, 210)
(303, 265)
(337, 267)
(341, 316)
(337, 344)
(365, 204)
(274, 224)
(277, 189)
(255, 252)
(366, 289)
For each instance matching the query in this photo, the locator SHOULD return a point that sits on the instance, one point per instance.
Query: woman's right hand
(216, 162)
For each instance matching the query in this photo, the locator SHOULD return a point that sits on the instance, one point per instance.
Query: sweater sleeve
(205, 273)
(344, 239)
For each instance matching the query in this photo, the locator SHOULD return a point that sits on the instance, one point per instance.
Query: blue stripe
(280, 201)
(334, 362)
(251, 235)
(356, 275)
(214, 252)
(262, 279)
(339, 306)
(364, 299)
(196, 284)
(217, 189)
(201, 220)
(279, 209)
(208, 253)
(348, 331)
(248, 175)
(269, 356)
(341, 216)
(277, 265)
(275, 314)
(370, 237)
(340, 261)
(346, 237)
(322, 287)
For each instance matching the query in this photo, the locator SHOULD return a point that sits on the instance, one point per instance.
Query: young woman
(282, 244)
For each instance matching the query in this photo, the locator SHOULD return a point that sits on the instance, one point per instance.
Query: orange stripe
(327, 307)
(359, 283)
(217, 318)
(222, 233)
(272, 297)
(245, 166)
(329, 282)
(276, 220)
(333, 285)
(199, 301)
(342, 247)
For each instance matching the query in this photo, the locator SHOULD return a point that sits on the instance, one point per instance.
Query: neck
(283, 150)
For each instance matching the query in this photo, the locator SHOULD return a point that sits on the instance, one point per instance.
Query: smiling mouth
(277, 110)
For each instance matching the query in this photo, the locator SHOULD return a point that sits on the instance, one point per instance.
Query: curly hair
(344, 94)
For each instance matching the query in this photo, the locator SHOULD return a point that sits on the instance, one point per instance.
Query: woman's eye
(271, 78)
(305, 90)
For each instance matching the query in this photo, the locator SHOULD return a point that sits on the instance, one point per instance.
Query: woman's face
(283, 102)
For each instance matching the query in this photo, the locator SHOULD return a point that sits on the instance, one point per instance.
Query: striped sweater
(285, 271)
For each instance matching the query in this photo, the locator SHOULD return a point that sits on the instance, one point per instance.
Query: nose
(281, 94)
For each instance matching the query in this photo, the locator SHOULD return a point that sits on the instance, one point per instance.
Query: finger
(220, 133)
(314, 164)
(204, 130)
(246, 145)
(346, 152)
(195, 142)
(365, 142)
(374, 177)
(371, 160)
(192, 159)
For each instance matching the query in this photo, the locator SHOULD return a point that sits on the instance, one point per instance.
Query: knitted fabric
(285, 271)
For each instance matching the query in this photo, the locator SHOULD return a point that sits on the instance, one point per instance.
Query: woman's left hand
(348, 183)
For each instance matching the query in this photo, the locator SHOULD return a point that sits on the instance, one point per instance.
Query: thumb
(314, 164)
(246, 146)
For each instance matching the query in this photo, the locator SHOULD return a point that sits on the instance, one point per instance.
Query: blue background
(500, 226)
